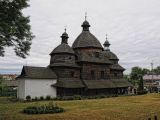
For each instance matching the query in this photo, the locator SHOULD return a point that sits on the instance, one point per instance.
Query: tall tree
(14, 27)
(141, 86)
(156, 70)
(137, 71)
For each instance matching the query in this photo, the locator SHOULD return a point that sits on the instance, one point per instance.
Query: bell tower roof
(106, 44)
(64, 37)
(85, 25)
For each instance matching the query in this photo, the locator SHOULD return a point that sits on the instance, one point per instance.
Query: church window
(92, 75)
(72, 74)
(102, 74)
(115, 74)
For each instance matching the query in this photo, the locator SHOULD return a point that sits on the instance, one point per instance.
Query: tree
(14, 27)
(156, 70)
(137, 71)
(141, 86)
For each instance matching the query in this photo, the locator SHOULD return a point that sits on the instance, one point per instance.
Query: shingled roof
(121, 83)
(117, 67)
(64, 65)
(37, 73)
(93, 58)
(100, 84)
(63, 48)
(86, 39)
(110, 55)
(69, 84)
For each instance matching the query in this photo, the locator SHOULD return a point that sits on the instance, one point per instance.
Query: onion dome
(63, 47)
(85, 25)
(86, 39)
(106, 44)
(65, 37)
(107, 52)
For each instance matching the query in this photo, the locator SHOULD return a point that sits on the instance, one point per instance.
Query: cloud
(132, 27)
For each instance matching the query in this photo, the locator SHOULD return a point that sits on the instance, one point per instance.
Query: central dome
(86, 39)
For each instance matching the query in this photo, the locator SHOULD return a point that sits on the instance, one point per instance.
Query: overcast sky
(133, 28)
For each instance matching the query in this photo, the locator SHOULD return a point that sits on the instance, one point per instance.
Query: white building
(152, 82)
(36, 82)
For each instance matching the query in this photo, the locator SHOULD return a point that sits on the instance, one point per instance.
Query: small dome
(62, 48)
(106, 43)
(64, 35)
(85, 23)
(86, 39)
(110, 55)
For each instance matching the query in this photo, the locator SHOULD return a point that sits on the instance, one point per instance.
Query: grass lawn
(116, 108)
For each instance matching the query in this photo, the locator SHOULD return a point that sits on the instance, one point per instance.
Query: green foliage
(13, 99)
(45, 109)
(77, 97)
(28, 98)
(141, 86)
(41, 98)
(156, 70)
(48, 97)
(137, 71)
(5, 90)
(135, 74)
(14, 27)
(140, 90)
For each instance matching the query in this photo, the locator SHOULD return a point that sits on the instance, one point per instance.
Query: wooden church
(86, 68)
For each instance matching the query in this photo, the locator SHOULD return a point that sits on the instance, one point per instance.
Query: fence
(8, 93)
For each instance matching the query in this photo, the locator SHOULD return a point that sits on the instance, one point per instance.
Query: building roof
(86, 40)
(64, 65)
(110, 55)
(100, 84)
(37, 73)
(117, 67)
(121, 83)
(69, 84)
(96, 57)
(62, 48)
(151, 77)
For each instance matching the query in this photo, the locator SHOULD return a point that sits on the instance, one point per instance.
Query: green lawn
(116, 108)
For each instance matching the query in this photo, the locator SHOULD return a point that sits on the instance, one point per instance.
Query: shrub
(13, 99)
(50, 108)
(28, 97)
(48, 97)
(142, 92)
(102, 96)
(77, 97)
(41, 98)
